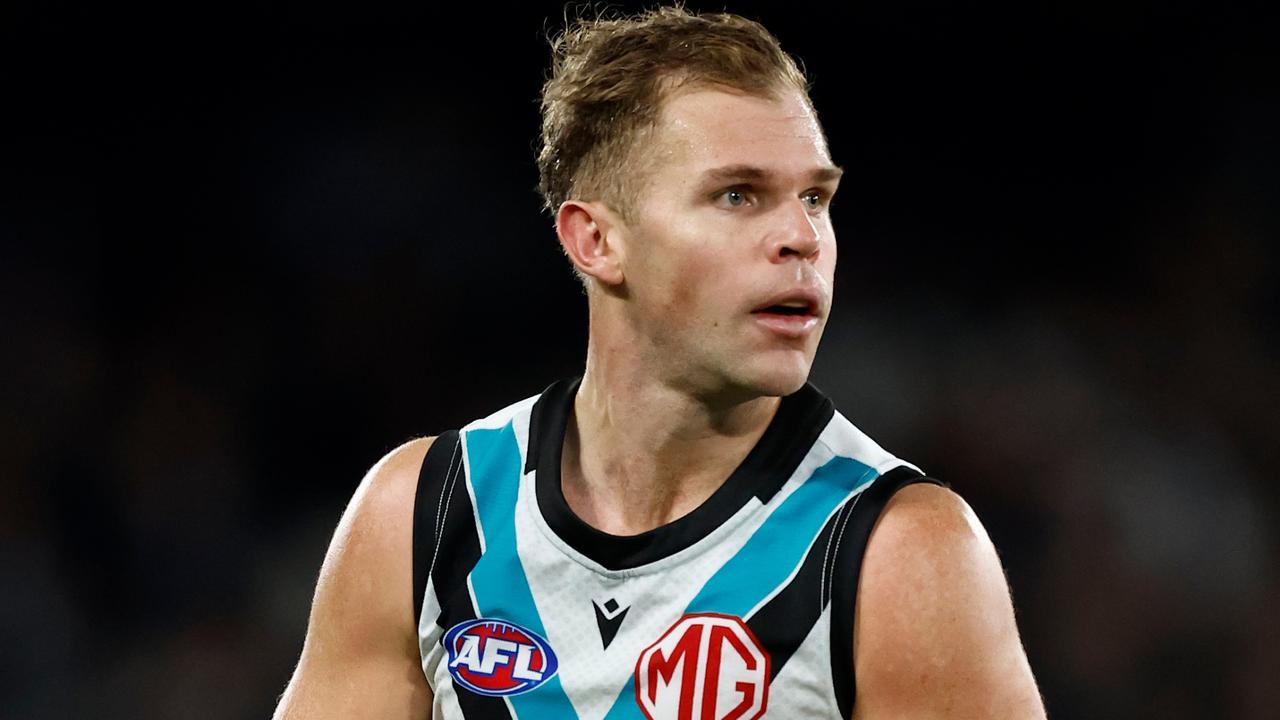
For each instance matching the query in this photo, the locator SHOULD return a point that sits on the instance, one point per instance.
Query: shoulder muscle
(361, 655)
(934, 631)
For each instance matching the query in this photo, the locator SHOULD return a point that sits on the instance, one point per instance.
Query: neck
(641, 451)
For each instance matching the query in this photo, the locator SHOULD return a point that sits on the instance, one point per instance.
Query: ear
(588, 232)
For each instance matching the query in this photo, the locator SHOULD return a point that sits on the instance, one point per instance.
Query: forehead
(704, 128)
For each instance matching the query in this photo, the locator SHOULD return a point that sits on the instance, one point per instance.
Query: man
(689, 530)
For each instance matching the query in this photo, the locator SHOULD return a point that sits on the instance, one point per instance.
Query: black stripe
(427, 506)
(845, 570)
(446, 546)
(786, 620)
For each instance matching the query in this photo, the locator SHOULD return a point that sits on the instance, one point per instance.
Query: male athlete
(689, 530)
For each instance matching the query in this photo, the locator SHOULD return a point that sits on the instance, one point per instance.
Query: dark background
(247, 250)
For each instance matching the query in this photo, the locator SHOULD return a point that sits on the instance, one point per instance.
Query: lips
(792, 314)
(794, 303)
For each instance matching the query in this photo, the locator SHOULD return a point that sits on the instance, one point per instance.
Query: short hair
(610, 76)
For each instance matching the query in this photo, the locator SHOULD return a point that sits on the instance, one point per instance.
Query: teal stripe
(498, 580)
(770, 556)
(779, 545)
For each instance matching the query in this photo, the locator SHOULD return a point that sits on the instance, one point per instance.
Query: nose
(796, 234)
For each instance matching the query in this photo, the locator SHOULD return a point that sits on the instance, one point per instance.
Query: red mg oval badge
(708, 666)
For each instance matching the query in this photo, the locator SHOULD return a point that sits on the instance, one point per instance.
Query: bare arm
(934, 632)
(360, 658)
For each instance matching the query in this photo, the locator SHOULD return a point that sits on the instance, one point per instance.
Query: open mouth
(793, 308)
(793, 316)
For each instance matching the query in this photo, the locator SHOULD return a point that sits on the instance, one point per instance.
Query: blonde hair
(610, 76)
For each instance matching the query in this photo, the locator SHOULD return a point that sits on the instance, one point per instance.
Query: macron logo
(609, 618)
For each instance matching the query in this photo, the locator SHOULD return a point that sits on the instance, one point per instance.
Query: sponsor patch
(499, 658)
(707, 666)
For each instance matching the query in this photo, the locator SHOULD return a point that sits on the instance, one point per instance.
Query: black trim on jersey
(846, 567)
(440, 473)
(785, 621)
(446, 546)
(800, 418)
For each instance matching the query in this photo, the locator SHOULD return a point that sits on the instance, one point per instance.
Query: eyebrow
(751, 172)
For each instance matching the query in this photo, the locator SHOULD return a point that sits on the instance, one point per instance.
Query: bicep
(934, 629)
(360, 657)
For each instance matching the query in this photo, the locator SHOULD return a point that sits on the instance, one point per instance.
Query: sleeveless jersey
(740, 609)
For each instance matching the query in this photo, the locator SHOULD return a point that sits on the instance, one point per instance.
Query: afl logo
(705, 667)
(495, 657)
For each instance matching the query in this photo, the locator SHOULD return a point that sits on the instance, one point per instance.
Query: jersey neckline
(799, 420)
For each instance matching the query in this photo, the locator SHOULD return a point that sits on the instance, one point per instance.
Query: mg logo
(705, 667)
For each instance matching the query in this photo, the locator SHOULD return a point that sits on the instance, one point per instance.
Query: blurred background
(246, 251)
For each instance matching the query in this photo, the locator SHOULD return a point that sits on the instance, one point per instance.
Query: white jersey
(743, 608)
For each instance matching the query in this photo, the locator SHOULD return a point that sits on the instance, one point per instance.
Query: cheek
(682, 269)
(687, 272)
(691, 281)
(704, 286)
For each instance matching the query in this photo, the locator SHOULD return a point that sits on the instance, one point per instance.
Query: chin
(783, 386)
(776, 378)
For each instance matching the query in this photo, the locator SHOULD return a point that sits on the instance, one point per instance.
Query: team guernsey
(741, 609)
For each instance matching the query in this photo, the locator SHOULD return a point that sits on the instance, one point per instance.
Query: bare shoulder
(370, 557)
(927, 530)
(934, 629)
(383, 503)
(360, 657)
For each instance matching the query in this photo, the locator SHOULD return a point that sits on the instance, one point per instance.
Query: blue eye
(735, 198)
